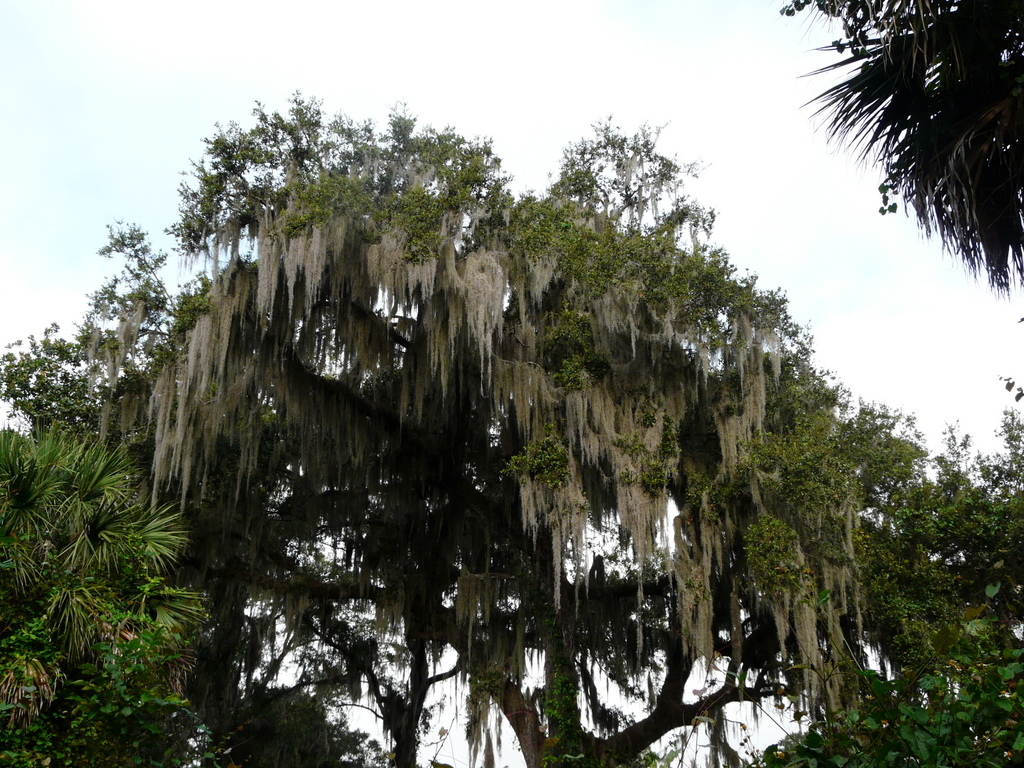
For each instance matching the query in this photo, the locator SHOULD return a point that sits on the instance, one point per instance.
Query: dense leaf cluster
(93, 640)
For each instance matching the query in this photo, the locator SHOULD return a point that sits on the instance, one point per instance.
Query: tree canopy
(944, 591)
(552, 447)
(556, 435)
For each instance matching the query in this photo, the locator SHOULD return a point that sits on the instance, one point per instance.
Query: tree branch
(670, 712)
(322, 590)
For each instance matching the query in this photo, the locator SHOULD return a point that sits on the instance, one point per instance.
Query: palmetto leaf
(100, 537)
(173, 608)
(162, 535)
(101, 473)
(76, 613)
(74, 528)
(26, 483)
(27, 685)
(934, 95)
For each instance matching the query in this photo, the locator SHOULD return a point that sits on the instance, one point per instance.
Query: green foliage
(46, 381)
(807, 465)
(624, 176)
(91, 636)
(771, 548)
(936, 545)
(886, 450)
(129, 316)
(964, 708)
(116, 710)
(247, 169)
(419, 214)
(928, 548)
(138, 288)
(570, 352)
(546, 460)
(454, 177)
(315, 169)
(865, 459)
(322, 198)
(698, 285)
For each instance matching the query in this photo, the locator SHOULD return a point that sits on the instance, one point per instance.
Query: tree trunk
(409, 709)
(525, 721)
(562, 686)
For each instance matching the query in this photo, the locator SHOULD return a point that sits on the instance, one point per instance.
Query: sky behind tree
(107, 102)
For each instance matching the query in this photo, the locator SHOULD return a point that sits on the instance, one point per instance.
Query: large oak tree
(551, 445)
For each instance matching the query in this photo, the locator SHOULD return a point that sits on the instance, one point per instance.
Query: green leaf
(1010, 671)
(944, 639)
(973, 612)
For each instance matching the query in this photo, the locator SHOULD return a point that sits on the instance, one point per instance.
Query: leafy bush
(966, 708)
(92, 639)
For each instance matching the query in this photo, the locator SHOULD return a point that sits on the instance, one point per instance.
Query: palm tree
(81, 549)
(935, 95)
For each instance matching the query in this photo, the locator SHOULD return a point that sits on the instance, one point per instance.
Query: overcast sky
(106, 102)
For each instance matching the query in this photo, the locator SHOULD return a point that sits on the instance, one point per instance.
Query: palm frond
(175, 609)
(27, 684)
(934, 96)
(99, 537)
(101, 473)
(77, 613)
(162, 534)
(26, 484)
